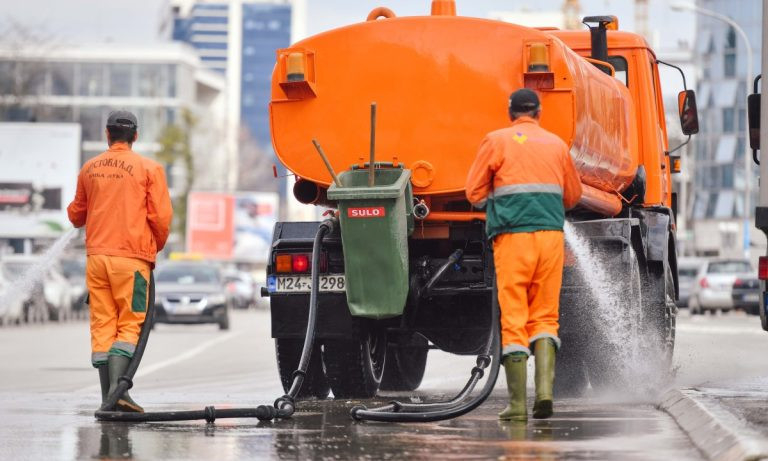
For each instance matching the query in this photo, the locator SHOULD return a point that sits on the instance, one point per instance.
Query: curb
(715, 431)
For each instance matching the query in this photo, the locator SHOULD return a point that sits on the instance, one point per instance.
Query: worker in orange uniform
(123, 201)
(524, 177)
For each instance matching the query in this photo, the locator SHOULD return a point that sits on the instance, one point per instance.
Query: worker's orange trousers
(117, 289)
(529, 273)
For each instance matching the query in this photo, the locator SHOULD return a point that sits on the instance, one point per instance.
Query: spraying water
(23, 283)
(627, 358)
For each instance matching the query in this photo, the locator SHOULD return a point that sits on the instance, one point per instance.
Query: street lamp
(681, 6)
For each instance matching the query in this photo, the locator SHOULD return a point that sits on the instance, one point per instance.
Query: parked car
(241, 287)
(714, 284)
(73, 268)
(50, 297)
(746, 295)
(687, 270)
(11, 306)
(191, 292)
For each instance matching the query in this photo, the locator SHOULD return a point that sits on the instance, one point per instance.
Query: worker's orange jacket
(122, 199)
(525, 178)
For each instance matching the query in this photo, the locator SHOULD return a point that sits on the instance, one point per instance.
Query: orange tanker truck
(399, 106)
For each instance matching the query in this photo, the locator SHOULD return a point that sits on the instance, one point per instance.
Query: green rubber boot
(515, 366)
(104, 381)
(544, 352)
(117, 365)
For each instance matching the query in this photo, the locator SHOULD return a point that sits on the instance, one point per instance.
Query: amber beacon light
(294, 67)
(538, 58)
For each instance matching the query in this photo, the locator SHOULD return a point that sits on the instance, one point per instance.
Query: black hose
(283, 407)
(457, 406)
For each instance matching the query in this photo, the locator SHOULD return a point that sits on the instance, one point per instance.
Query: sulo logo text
(366, 212)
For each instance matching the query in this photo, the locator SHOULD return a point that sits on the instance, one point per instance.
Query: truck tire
(405, 364)
(288, 352)
(354, 367)
(660, 323)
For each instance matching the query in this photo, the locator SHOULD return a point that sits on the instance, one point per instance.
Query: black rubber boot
(515, 366)
(104, 381)
(544, 352)
(117, 366)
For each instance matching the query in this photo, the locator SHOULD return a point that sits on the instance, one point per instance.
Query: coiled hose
(400, 412)
(283, 407)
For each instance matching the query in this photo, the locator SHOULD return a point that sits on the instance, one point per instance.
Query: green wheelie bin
(375, 224)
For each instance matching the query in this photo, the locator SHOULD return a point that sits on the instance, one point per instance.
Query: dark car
(191, 292)
(746, 295)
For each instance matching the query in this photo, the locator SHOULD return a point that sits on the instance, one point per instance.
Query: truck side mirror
(753, 115)
(689, 117)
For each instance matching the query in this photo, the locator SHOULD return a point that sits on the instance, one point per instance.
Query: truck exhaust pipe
(309, 193)
(599, 36)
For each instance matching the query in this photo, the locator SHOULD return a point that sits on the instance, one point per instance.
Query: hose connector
(330, 224)
(357, 408)
(420, 210)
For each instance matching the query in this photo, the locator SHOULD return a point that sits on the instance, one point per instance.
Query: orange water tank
(440, 84)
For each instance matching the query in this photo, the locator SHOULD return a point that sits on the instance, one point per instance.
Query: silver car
(191, 292)
(688, 271)
(714, 284)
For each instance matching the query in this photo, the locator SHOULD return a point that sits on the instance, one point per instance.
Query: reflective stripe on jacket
(122, 199)
(524, 177)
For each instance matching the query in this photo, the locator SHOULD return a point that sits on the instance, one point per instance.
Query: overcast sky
(137, 21)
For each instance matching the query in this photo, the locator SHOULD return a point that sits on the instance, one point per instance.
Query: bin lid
(389, 183)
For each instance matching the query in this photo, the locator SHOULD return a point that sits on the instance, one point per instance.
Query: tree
(176, 146)
(22, 73)
(255, 166)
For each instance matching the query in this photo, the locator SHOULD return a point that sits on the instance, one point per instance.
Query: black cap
(523, 100)
(122, 118)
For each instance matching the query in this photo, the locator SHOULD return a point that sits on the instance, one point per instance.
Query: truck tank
(441, 83)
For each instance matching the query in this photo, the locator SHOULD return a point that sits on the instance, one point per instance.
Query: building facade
(719, 222)
(157, 83)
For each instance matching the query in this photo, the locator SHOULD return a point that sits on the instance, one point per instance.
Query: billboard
(231, 226)
(39, 163)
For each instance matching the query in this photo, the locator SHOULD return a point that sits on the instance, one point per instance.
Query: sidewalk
(727, 421)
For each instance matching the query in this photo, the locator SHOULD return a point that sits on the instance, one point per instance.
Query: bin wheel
(405, 365)
(354, 367)
(288, 352)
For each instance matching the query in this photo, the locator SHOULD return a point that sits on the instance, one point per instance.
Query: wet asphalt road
(48, 392)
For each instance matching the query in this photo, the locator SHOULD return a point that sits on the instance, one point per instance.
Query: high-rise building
(718, 211)
(239, 38)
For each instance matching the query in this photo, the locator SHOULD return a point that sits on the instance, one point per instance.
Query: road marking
(722, 330)
(195, 351)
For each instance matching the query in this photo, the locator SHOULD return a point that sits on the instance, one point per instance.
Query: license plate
(303, 283)
(752, 298)
(186, 310)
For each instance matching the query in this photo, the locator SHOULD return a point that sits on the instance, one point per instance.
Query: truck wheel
(288, 352)
(354, 367)
(664, 322)
(405, 365)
